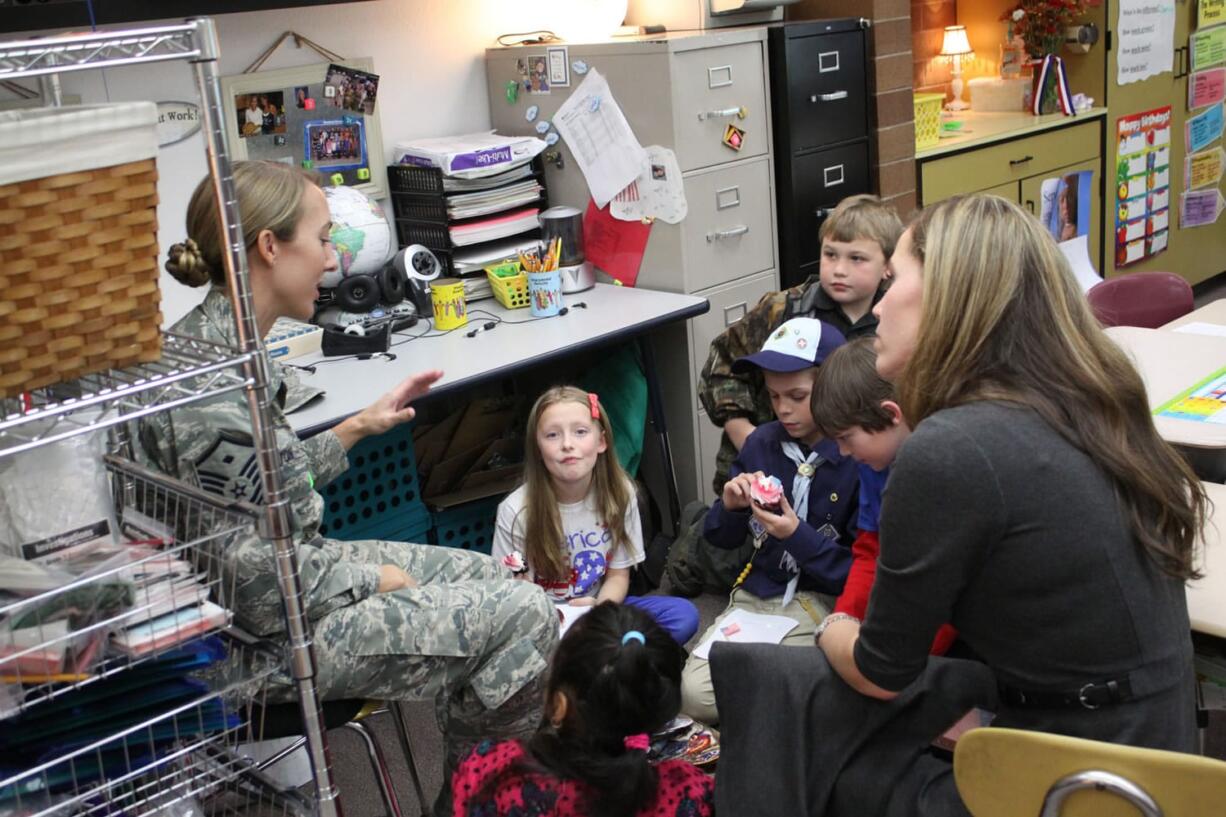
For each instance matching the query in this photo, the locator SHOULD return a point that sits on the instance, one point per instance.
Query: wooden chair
(1016, 773)
(1148, 299)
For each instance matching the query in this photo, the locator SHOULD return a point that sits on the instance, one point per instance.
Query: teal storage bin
(379, 497)
(468, 527)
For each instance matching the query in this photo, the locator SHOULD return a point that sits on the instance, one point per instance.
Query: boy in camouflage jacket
(857, 241)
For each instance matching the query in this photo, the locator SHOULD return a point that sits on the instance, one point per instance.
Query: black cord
(528, 38)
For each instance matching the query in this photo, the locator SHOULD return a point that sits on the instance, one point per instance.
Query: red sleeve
(943, 640)
(854, 598)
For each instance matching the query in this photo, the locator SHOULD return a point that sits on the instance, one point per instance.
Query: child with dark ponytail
(615, 679)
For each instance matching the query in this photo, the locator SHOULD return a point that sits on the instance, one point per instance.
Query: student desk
(1214, 313)
(1169, 363)
(1207, 597)
(613, 314)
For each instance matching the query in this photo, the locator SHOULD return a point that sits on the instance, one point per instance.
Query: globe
(360, 233)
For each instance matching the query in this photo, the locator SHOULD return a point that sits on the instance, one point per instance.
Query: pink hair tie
(594, 401)
(637, 743)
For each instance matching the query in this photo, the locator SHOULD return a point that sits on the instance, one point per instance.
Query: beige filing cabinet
(680, 91)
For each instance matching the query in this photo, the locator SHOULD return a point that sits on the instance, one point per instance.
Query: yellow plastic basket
(928, 119)
(511, 290)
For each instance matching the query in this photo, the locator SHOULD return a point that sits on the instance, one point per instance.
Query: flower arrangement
(1041, 23)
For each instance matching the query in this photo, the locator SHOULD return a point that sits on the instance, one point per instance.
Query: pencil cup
(447, 297)
(545, 293)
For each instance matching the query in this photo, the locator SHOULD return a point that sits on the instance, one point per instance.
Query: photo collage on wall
(318, 126)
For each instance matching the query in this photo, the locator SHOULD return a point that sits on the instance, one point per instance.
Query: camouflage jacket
(726, 395)
(209, 444)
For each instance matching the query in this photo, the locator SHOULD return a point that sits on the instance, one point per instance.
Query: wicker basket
(78, 249)
(928, 119)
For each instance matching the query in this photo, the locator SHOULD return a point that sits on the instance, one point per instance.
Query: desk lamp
(956, 46)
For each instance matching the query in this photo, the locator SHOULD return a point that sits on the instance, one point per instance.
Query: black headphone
(362, 293)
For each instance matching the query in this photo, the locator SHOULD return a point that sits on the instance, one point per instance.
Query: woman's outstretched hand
(388, 411)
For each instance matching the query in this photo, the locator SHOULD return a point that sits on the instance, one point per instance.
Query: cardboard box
(475, 453)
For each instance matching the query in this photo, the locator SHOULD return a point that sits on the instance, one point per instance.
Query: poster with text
(1206, 88)
(1066, 204)
(1210, 12)
(1208, 47)
(1146, 32)
(1142, 185)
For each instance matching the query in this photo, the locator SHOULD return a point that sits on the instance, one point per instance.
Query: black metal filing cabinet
(820, 104)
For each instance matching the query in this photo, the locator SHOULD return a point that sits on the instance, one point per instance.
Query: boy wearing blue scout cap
(803, 533)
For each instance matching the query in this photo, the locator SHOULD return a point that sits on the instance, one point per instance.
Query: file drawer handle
(731, 232)
(740, 112)
(1021, 161)
(834, 96)
(715, 71)
(728, 197)
(734, 313)
(827, 61)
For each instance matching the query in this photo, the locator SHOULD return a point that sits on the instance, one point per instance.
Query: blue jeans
(676, 615)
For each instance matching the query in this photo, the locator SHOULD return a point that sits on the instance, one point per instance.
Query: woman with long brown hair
(1034, 507)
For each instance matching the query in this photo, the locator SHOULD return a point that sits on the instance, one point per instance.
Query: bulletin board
(344, 145)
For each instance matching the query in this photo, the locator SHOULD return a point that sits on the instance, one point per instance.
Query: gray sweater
(995, 523)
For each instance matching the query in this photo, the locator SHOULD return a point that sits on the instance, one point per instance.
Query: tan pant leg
(697, 691)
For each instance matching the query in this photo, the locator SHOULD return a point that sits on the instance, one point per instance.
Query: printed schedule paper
(600, 138)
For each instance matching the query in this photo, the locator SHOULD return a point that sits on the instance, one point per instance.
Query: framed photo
(300, 125)
(334, 144)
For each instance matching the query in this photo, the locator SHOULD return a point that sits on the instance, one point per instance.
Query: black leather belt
(1089, 696)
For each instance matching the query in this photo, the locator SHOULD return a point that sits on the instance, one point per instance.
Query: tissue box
(998, 94)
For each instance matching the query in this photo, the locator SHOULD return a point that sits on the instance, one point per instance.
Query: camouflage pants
(470, 638)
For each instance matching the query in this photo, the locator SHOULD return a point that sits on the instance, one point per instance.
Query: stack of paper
(477, 258)
(477, 287)
(489, 229)
(484, 202)
(171, 629)
(454, 185)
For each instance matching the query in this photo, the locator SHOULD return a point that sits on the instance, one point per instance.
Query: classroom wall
(429, 55)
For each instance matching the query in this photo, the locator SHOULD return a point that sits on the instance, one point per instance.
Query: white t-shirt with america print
(588, 543)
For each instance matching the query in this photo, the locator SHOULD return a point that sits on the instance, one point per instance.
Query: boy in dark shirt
(802, 549)
(857, 241)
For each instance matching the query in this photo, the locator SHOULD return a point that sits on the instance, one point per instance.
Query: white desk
(1207, 597)
(1169, 363)
(1214, 313)
(613, 314)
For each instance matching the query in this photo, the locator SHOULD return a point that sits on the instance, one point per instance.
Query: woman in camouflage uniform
(391, 620)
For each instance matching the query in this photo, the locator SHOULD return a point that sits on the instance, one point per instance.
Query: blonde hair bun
(188, 266)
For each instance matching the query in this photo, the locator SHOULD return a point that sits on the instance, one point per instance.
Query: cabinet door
(819, 182)
(826, 89)
(1008, 190)
(1033, 200)
(1011, 160)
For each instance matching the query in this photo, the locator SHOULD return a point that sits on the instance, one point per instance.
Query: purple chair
(1148, 299)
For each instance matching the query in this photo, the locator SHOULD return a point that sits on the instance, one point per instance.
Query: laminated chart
(1142, 185)
(1203, 403)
